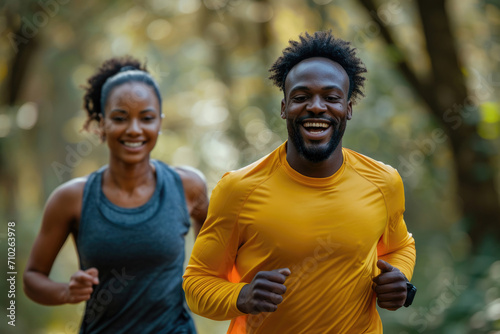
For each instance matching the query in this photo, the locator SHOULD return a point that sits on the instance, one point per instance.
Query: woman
(128, 219)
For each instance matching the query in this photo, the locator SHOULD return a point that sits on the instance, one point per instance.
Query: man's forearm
(403, 259)
(212, 297)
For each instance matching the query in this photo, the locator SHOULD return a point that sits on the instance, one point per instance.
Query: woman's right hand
(80, 286)
(61, 218)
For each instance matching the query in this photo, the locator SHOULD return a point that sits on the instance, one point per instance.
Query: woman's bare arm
(195, 190)
(60, 217)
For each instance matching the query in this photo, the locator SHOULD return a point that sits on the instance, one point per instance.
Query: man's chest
(295, 221)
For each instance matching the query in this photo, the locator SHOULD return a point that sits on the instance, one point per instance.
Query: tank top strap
(173, 183)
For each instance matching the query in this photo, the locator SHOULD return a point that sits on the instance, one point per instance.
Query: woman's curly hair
(92, 98)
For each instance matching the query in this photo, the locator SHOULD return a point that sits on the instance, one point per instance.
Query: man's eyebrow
(299, 88)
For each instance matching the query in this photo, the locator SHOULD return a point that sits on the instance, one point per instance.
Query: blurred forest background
(431, 110)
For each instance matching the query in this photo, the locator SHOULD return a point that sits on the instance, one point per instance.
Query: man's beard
(317, 153)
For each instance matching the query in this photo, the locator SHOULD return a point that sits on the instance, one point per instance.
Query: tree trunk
(456, 109)
(17, 69)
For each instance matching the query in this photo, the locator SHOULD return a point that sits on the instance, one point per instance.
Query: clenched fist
(390, 286)
(264, 293)
(80, 286)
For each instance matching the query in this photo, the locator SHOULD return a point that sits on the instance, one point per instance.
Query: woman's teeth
(133, 144)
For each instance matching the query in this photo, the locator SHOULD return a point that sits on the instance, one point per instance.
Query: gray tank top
(139, 253)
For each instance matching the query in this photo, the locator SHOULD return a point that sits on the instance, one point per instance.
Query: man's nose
(317, 104)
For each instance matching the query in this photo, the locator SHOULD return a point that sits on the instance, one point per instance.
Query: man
(306, 239)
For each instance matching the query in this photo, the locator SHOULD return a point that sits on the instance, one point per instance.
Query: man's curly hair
(321, 44)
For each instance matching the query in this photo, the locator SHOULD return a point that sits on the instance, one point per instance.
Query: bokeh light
(27, 115)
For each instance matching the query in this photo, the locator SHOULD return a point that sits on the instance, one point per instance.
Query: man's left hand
(390, 286)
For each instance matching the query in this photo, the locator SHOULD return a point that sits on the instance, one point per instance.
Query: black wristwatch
(411, 290)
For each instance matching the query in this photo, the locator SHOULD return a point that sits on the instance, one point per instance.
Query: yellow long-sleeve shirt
(328, 231)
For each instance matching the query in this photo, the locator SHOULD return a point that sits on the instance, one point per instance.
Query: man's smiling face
(316, 107)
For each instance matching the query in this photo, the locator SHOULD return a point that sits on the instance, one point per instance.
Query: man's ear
(283, 106)
(349, 110)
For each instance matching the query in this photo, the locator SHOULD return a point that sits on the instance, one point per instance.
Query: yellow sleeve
(209, 292)
(397, 246)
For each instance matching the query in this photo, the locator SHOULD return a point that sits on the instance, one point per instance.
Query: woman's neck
(128, 177)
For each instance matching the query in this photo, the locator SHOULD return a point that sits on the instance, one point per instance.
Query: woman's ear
(100, 129)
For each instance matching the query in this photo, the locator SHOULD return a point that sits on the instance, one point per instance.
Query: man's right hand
(264, 293)
(80, 286)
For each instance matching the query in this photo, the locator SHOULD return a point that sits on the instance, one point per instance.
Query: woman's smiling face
(132, 121)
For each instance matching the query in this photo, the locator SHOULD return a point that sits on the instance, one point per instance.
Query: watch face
(410, 293)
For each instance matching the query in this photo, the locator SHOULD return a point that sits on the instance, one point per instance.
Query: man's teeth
(133, 144)
(316, 125)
